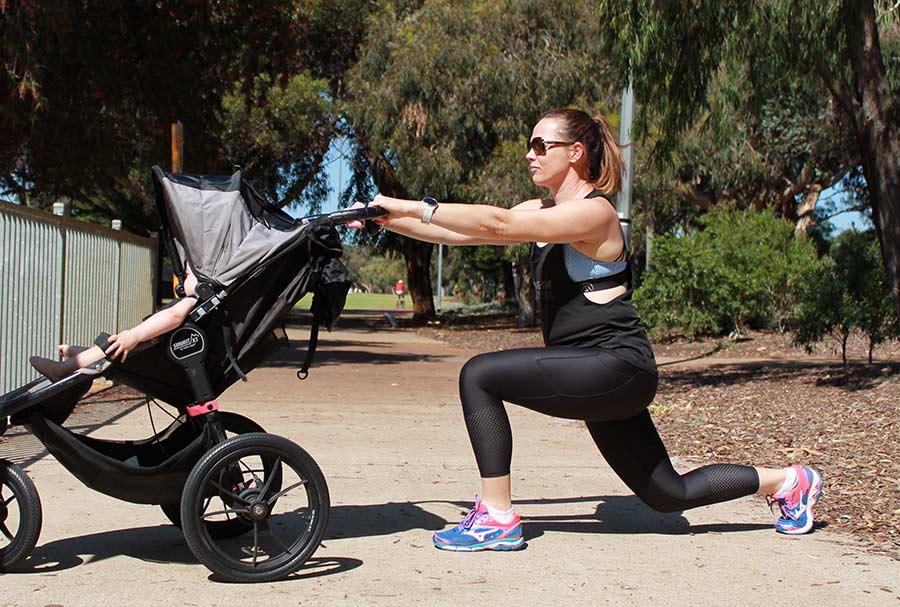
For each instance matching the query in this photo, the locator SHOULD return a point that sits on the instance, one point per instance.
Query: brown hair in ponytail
(605, 162)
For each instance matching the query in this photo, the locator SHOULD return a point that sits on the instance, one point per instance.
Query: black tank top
(568, 318)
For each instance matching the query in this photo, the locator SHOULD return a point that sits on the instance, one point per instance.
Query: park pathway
(379, 412)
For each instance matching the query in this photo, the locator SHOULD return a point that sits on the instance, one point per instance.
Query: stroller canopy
(220, 224)
(259, 261)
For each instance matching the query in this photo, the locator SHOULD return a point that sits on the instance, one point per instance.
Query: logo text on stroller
(186, 342)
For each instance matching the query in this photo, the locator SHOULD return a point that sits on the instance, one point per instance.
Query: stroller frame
(194, 462)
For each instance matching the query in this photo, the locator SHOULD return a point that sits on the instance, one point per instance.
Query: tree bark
(418, 276)
(509, 282)
(806, 213)
(416, 253)
(524, 293)
(877, 132)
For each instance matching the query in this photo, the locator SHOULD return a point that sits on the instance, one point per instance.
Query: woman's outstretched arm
(413, 227)
(478, 224)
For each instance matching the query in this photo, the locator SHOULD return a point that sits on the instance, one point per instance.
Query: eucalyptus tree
(845, 50)
(280, 126)
(88, 91)
(445, 94)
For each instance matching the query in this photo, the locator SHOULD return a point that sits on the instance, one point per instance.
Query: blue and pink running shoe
(796, 504)
(479, 531)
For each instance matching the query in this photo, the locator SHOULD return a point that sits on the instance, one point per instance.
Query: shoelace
(782, 506)
(470, 519)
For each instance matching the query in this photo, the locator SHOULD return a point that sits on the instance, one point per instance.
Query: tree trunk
(418, 276)
(806, 213)
(877, 133)
(524, 293)
(509, 282)
(416, 253)
(844, 337)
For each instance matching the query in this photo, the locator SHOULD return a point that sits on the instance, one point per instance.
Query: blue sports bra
(580, 267)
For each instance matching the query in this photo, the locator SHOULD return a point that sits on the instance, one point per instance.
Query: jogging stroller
(252, 506)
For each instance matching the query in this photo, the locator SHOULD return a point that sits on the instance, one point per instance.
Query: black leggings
(611, 396)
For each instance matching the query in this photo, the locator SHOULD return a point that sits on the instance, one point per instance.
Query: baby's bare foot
(67, 351)
(50, 369)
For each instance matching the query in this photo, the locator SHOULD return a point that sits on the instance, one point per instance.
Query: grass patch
(374, 301)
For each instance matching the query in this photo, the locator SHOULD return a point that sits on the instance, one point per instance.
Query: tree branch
(858, 208)
(839, 93)
(298, 186)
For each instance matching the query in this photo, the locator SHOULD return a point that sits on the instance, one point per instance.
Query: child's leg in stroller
(67, 351)
(56, 370)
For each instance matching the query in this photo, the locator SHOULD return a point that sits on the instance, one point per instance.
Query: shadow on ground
(361, 353)
(156, 544)
(611, 514)
(856, 377)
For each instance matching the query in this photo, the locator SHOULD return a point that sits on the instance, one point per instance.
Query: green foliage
(848, 290)
(279, 131)
(373, 272)
(88, 91)
(439, 86)
(446, 92)
(746, 53)
(739, 270)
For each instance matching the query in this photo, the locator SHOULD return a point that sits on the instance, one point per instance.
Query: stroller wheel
(234, 425)
(20, 516)
(238, 478)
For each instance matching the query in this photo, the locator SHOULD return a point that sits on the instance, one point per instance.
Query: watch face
(430, 201)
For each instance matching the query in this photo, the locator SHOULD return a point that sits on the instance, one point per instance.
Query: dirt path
(380, 414)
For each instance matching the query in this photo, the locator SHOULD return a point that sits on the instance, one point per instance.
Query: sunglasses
(539, 145)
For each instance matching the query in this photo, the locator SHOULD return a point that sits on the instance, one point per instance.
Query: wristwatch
(430, 206)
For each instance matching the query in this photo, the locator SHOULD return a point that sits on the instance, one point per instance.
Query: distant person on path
(167, 318)
(598, 365)
(400, 292)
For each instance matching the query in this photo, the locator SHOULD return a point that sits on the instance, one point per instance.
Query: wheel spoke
(206, 504)
(226, 512)
(272, 499)
(255, 542)
(11, 499)
(264, 525)
(271, 478)
(5, 531)
(250, 471)
(228, 493)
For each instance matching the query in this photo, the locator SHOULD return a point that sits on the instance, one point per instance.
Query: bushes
(738, 270)
(848, 290)
(743, 270)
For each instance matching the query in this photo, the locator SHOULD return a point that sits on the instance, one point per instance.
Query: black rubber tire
(16, 488)
(233, 424)
(220, 460)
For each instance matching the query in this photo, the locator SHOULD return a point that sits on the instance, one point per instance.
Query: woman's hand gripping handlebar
(354, 217)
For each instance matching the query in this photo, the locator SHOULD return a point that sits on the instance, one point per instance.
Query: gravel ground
(759, 400)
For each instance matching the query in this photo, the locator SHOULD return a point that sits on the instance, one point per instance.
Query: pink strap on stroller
(203, 408)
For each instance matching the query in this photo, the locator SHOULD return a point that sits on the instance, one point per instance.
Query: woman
(167, 318)
(598, 365)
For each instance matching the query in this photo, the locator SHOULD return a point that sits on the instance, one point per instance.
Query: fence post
(61, 209)
(117, 225)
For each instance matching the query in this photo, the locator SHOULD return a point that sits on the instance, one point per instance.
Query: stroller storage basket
(148, 471)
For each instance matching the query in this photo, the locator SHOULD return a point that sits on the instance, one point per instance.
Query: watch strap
(430, 205)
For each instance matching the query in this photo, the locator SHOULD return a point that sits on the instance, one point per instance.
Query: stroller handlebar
(347, 215)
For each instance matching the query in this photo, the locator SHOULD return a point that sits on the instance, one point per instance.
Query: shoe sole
(815, 493)
(501, 545)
